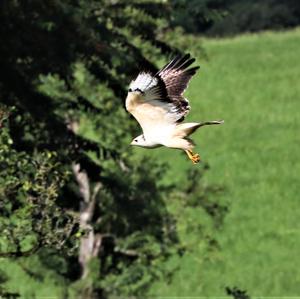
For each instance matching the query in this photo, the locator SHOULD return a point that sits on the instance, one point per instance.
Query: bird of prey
(156, 101)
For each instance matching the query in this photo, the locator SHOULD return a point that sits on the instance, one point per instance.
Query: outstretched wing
(157, 99)
(176, 76)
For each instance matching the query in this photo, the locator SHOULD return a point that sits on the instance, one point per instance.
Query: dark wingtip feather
(191, 72)
(186, 64)
(180, 63)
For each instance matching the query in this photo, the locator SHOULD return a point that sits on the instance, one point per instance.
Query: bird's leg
(194, 157)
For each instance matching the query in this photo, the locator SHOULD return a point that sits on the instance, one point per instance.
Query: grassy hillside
(252, 82)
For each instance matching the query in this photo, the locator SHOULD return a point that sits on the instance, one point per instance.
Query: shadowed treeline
(231, 17)
(80, 214)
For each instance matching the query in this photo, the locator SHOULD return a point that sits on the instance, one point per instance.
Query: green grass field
(252, 82)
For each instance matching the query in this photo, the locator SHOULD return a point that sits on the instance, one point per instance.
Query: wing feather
(157, 99)
(176, 76)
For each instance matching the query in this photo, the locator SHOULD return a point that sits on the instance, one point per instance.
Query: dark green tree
(69, 176)
(198, 16)
(65, 66)
(30, 218)
(253, 16)
(230, 17)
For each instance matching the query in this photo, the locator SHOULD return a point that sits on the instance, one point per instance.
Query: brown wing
(176, 76)
(157, 100)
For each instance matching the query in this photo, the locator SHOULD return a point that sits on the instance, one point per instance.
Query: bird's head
(139, 141)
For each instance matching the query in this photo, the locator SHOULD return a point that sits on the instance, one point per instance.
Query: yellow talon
(195, 158)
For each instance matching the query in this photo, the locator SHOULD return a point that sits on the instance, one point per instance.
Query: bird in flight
(156, 101)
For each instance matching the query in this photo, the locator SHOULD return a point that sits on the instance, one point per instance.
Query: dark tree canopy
(230, 17)
(65, 66)
(69, 181)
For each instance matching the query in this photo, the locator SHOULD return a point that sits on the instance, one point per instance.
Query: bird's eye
(135, 140)
(129, 90)
(139, 90)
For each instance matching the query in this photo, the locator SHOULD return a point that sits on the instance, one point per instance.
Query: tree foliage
(221, 18)
(64, 67)
(68, 175)
(30, 217)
